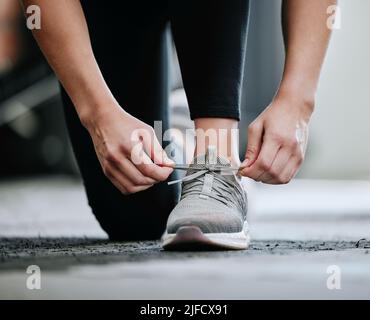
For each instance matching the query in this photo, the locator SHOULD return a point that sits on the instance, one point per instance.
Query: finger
(288, 172)
(123, 183)
(127, 168)
(118, 186)
(109, 174)
(255, 132)
(134, 175)
(151, 170)
(145, 165)
(265, 159)
(277, 167)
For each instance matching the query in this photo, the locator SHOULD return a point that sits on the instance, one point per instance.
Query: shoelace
(219, 188)
(201, 170)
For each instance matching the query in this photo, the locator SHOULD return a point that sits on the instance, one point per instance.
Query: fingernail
(245, 163)
(168, 161)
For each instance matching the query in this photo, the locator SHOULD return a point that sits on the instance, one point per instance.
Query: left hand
(277, 141)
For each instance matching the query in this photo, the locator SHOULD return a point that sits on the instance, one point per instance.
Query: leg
(132, 54)
(210, 38)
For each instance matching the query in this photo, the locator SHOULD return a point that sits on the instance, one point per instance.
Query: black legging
(131, 47)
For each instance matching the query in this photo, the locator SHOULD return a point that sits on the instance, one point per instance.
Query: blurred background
(40, 190)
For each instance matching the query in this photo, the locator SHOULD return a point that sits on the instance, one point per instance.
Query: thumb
(255, 132)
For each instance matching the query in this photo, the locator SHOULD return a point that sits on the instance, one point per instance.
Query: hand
(115, 135)
(277, 141)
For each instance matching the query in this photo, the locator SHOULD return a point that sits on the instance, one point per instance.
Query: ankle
(218, 132)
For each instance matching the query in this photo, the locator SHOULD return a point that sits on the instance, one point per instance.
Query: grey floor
(299, 232)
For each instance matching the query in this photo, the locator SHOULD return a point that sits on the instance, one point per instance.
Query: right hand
(112, 133)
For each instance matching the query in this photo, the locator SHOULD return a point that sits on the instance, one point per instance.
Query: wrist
(301, 98)
(91, 113)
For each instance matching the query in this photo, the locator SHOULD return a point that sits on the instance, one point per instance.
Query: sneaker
(212, 210)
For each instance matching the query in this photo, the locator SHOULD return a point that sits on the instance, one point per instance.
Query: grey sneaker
(212, 210)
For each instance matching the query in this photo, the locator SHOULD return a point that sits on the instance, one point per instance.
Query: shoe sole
(191, 238)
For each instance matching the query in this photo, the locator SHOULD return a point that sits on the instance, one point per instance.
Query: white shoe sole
(192, 238)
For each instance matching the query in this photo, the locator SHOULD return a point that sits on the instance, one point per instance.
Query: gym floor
(302, 232)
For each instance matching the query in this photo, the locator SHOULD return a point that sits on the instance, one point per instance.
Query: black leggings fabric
(131, 46)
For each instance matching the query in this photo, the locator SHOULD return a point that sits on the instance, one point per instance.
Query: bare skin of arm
(277, 139)
(9, 42)
(64, 39)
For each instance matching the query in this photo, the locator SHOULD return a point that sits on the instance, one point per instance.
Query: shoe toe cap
(210, 218)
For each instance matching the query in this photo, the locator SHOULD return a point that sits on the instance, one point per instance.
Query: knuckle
(277, 137)
(251, 150)
(125, 148)
(111, 156)
(292, 143)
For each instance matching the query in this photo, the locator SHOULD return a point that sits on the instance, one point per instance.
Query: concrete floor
(298, 230)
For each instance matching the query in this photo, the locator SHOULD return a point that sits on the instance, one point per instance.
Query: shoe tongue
(209, 158)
